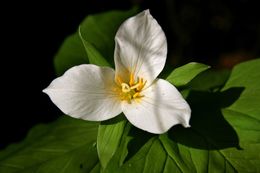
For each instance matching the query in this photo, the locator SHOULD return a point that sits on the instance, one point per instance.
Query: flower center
(132, 89)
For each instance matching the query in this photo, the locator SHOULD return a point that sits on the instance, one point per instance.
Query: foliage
(225, 124)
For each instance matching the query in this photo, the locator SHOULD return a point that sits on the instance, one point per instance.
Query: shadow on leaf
(138, 139)
(209, 129)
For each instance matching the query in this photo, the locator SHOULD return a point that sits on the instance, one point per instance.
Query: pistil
(132, 89)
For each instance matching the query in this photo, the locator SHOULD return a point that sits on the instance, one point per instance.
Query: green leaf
(120, 153)
(71, 53)
(93, 55)
(225, 123)
(210, 80)
(184, 74)
(224, 137)
(97, 43)
(188, 159)
(244, 116)
(131, 141)
(109, 136)
(224, 134)
(67, 145)
(150, 158)
(165, 154)
(98, 33)
(246, 75)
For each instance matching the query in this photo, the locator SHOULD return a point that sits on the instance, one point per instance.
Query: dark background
(218, 33)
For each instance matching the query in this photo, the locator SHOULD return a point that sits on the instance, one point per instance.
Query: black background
(217, 33)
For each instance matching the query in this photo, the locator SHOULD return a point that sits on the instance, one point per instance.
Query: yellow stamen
(125, 88)
(135, 86)
(136, 95)
(132, 89)
(132, 79)
(141, 84)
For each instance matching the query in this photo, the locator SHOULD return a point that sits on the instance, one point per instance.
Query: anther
(125, 87)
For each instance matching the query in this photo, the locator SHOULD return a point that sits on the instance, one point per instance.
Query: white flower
(96, 93)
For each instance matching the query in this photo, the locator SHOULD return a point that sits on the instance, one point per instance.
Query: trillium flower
(96, 93)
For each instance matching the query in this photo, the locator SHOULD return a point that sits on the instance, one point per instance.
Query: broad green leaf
(210, 80)
(98, 33)
(244, 116)
(150, 158)
(93, 55)
(184, 74)
(224, 134)
(132, 140)
(246, 75)
(71, 53)
(225, 123)
(224, 137)
(67, 145)
(121, 151)
(109, 136)
(165, 154)
(190, 159)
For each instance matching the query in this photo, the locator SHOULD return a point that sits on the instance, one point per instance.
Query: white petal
(141, 48)
(161, 107)
(86, 92)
